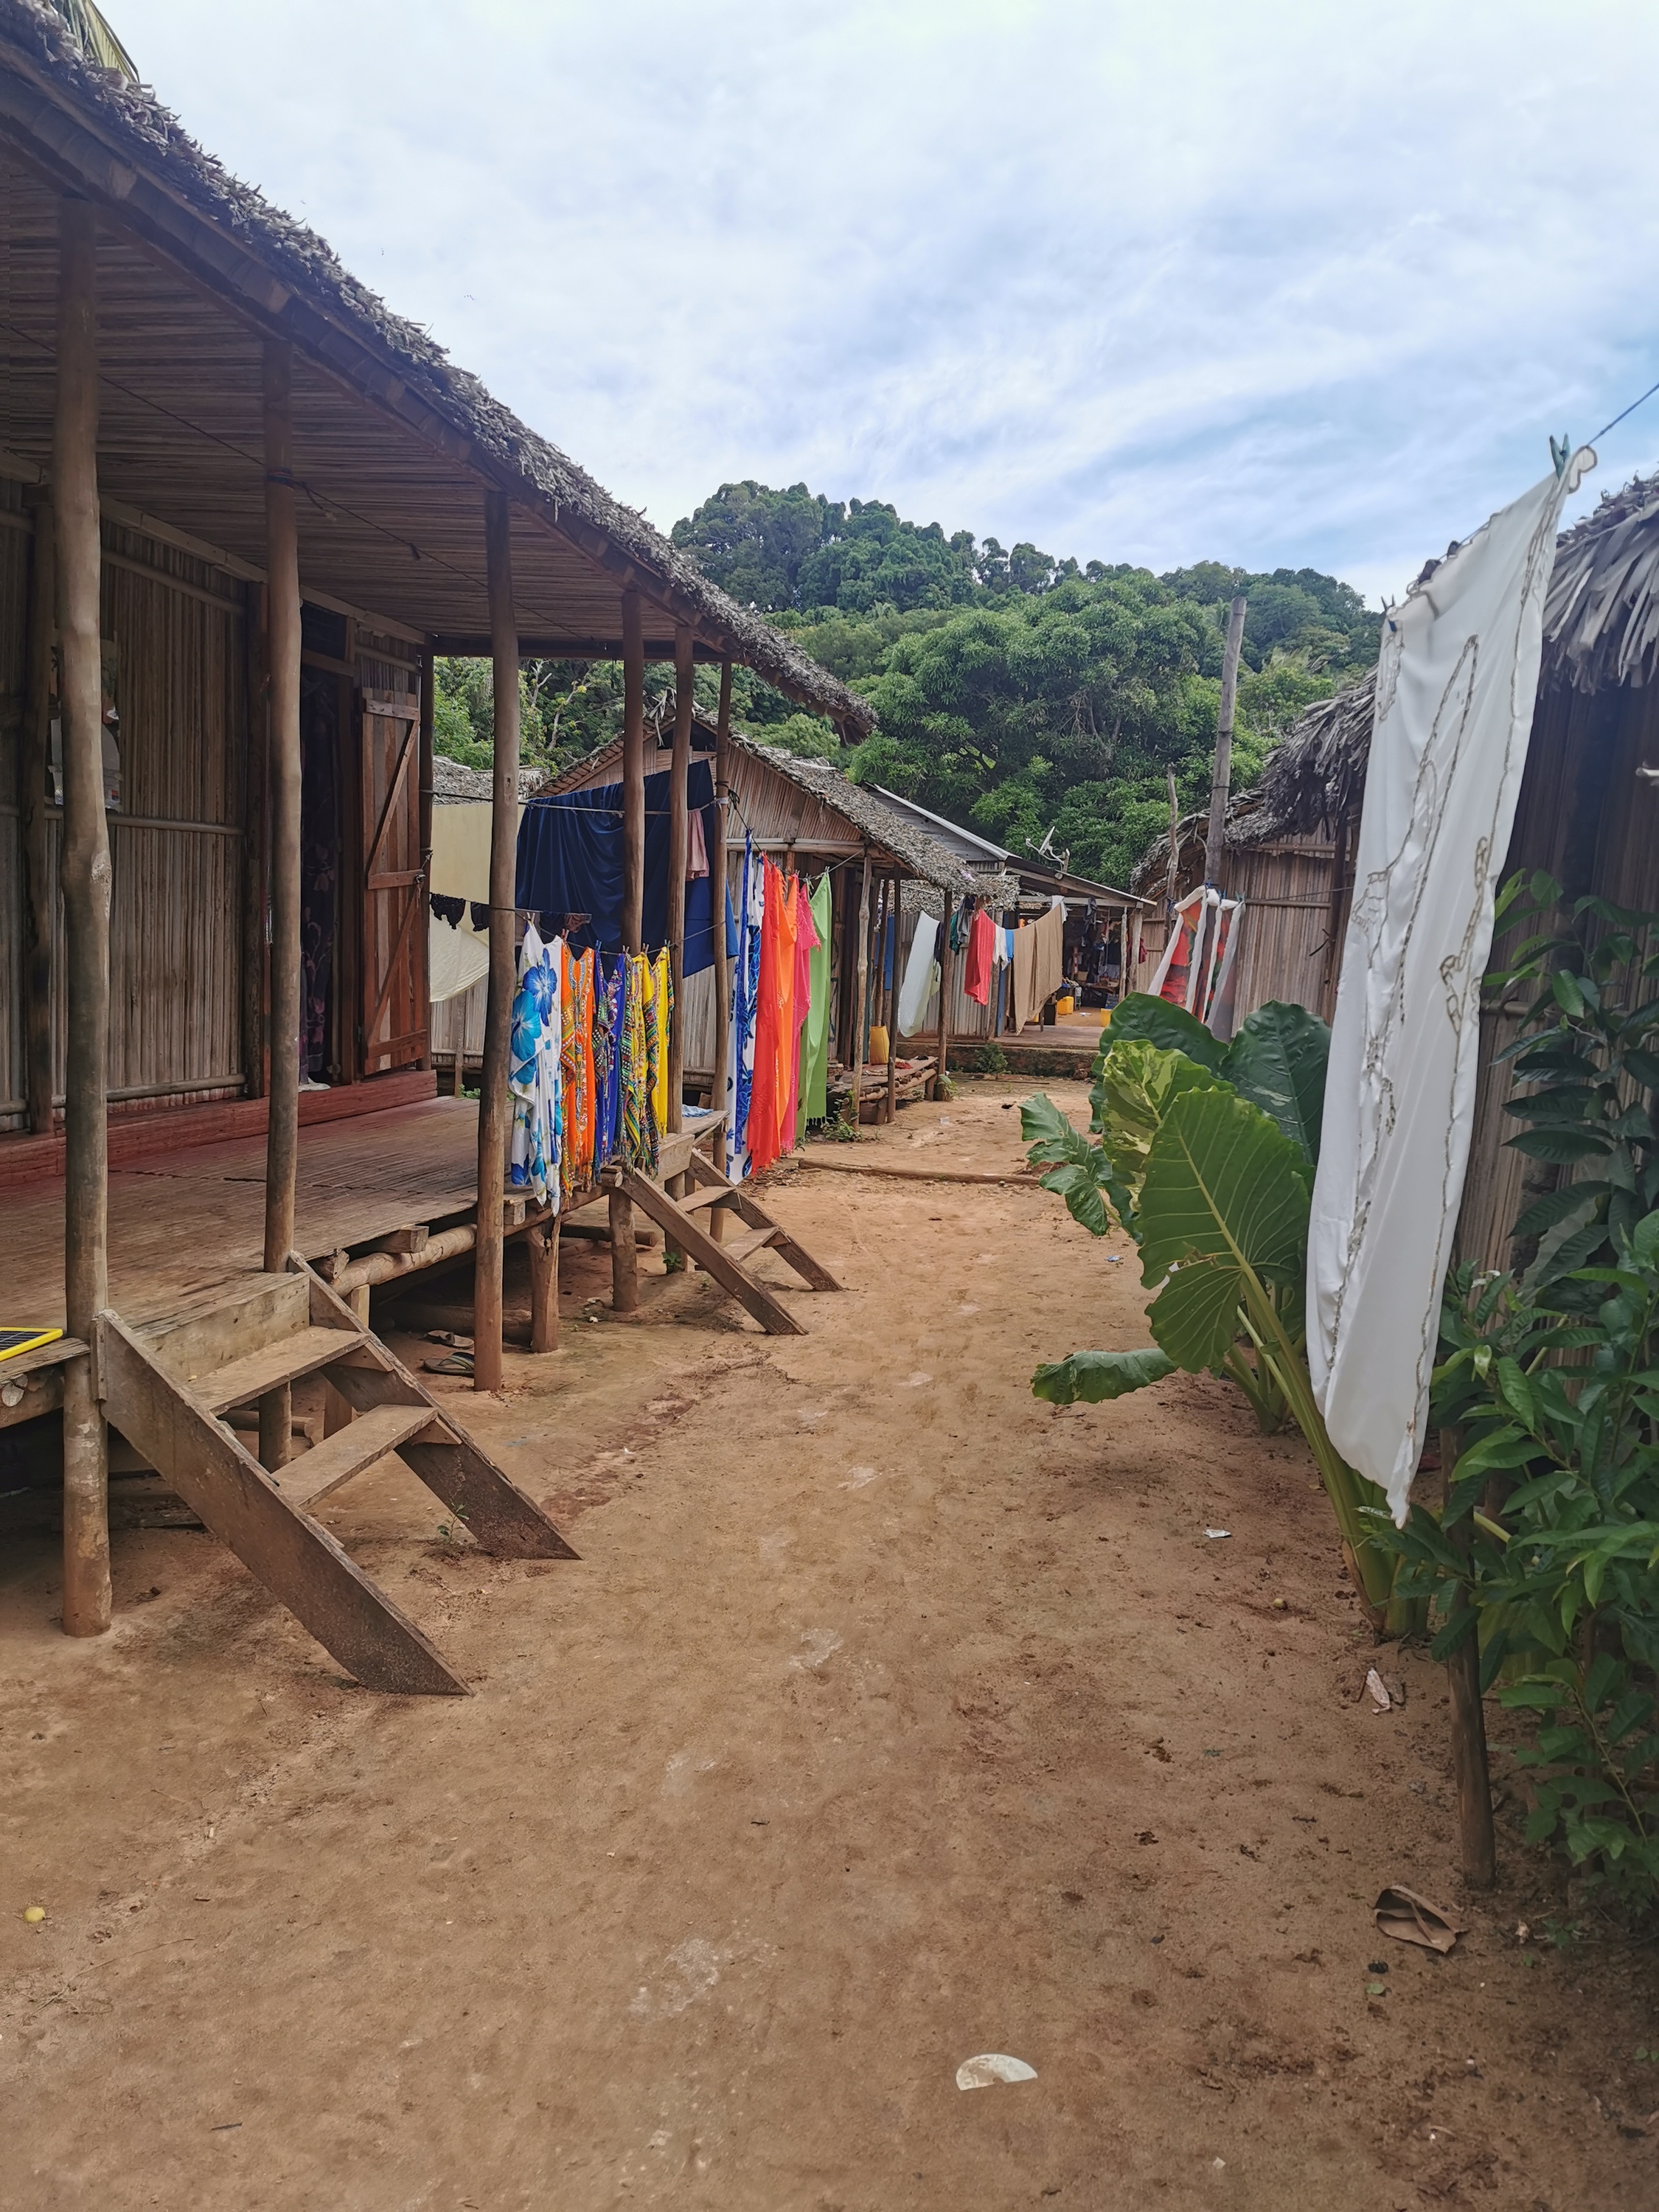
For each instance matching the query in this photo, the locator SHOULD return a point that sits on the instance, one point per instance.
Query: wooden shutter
(396, 1015)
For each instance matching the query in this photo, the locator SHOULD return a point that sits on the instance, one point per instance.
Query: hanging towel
(533, 1071)
(1456, 686)
(981, 943)
(921, 976)
(1023, 969)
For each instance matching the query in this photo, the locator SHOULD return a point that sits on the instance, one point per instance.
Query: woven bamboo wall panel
(182, 690)
(13, 1073)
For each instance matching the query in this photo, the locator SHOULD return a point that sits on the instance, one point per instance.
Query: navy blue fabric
(570, 861)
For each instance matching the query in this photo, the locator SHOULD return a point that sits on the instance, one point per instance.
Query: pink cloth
(696, 849)
(807, 941)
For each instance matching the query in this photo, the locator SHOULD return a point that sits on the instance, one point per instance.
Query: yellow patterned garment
(660, 1001)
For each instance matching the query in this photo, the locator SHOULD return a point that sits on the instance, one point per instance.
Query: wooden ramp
(169, 1386)
(690, 1222)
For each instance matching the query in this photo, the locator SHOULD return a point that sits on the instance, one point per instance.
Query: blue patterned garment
(745, 992)
(607, 1061)
(533, 1071)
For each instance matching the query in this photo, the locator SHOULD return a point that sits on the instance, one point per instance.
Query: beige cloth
(460, 852)
(1039, 963)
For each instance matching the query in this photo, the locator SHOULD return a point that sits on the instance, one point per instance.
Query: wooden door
(396, 1015)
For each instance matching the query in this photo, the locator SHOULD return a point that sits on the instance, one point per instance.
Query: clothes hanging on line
(659, 1005)
(746, 996)
(636, 1131)
(921, 976)
(571, 860)
(533, 1062)
(815, 1036)
(576, 998)
(982, 945)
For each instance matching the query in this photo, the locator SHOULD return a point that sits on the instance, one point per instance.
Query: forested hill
(1016, 692)
(1019, 692)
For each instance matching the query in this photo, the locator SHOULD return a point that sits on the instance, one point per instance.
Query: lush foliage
(1205, 1153)
(1023, 693)
(1548, 1539)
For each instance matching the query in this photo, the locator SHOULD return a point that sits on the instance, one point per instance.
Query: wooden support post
(1216, 842)
(422, 932)
(946, 969)
(890, 1106)
(633, 774)
(1131, 960)
(677, 865)
(493, 1102)
(283, 646)
(1333, 926)
(1477, 1841)
(256, 808)
(624, 1259)
(33, 754)
(717, 904)
(542, 1242)
(85, 885)
(861, 996)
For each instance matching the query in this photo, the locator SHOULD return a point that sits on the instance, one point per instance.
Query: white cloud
(1280, 283)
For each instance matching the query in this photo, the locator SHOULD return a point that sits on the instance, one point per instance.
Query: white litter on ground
(993, 2066)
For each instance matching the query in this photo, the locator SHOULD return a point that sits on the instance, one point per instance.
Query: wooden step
(708, 1195)
(739, 1247)
(304, 1481)
(284, 1361)
(226, 1322)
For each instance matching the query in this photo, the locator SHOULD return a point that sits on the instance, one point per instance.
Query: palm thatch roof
(81, 124)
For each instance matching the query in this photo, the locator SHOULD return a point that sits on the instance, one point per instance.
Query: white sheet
(921, 978)
(1455, 693)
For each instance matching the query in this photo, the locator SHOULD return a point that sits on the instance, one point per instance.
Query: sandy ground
(888, 1718)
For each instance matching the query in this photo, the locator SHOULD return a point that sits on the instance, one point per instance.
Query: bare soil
(889, 1719)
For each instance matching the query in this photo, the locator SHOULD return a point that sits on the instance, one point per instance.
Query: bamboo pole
(256, 807)
(1215, 843)
(633, 774)
(862, 988)
(492, 1101)
(717, 899)
(34, 757)
(676, 866)
(86, 888)
(890, 1105)
(282, 647)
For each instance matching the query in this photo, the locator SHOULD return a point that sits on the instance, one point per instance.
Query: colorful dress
(533, 1055)
(576, 1069)
(636, 1123)
(745, 992)
(607, 1060)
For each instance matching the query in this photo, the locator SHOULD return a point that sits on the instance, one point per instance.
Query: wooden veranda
(242, 506)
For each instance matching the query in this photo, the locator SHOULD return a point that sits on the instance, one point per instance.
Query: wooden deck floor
(179, 1224)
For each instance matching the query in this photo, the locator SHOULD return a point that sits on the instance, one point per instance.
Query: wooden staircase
(168, 1388)
(687, 1224)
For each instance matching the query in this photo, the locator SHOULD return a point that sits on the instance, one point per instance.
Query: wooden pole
(494, 1103)
(1132, 963)
(86, 884)
(633, 774)
(1215, 844)
(1476, 1838)
(282, 647)
(424, 941)
(1172, 873)
(256, 807)
(890, 1105)
(946, 961)
(860, 997)
(33, 754)
(677, 865)
(542, 1241)
(717, 895)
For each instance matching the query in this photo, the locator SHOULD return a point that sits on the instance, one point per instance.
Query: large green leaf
(1224, 1184)
(1136, 1087)
(1278, 1062)
(1094, 1376)
(1080, 1172)
(1195, 1315)
(1172, 1028)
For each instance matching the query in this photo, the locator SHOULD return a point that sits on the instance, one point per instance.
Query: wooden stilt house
(241, 507)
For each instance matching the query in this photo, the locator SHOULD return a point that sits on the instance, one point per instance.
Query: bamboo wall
(177, 841)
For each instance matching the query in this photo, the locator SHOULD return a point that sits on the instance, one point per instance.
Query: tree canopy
(1016, 692)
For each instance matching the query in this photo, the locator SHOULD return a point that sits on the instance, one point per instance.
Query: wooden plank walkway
(179, 1224)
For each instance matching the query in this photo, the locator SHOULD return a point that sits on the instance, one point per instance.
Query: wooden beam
(423, 954)
(633, 775)
(33, 754)
(283, 646)
(256, 808)
(493, 1102)
(677, 835)
(862, 993)
(891, 1106)
(717, 902)
(85, 875)
(1215, 842)
(947, 963)
(541, 1242)
(624, 1259)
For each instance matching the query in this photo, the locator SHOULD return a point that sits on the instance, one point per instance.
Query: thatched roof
(84, 124)
(1601, 618)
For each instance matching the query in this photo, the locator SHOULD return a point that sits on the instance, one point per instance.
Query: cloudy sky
(1260, 281)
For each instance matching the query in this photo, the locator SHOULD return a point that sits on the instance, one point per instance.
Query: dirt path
(888, 1719)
